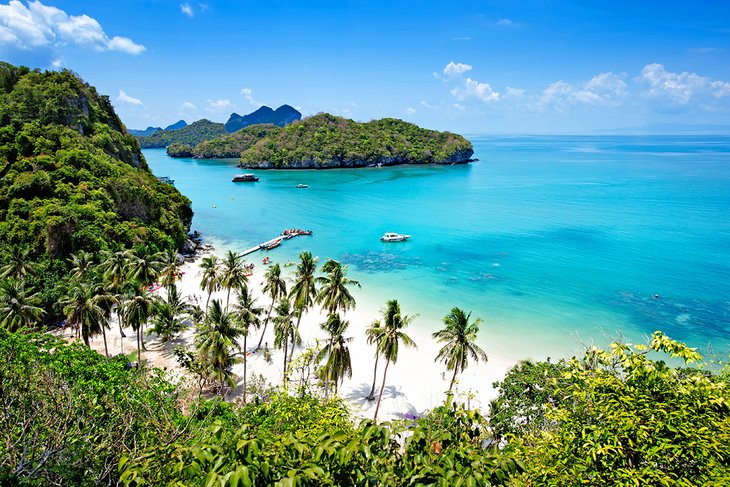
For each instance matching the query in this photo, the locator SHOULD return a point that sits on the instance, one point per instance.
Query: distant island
(282, 116)
(203, 130)
(326, 141)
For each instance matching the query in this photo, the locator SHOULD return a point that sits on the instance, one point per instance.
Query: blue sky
(466, 66)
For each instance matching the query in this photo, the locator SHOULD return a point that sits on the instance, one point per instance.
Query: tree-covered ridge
(226, 146)
(72, 178)
(325, 141)
(192, 134)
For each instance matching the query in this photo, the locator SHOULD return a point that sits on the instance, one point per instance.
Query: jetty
(276, 241)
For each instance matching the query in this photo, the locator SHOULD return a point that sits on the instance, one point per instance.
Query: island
(326, 141)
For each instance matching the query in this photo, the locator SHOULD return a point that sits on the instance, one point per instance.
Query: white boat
(394, 237)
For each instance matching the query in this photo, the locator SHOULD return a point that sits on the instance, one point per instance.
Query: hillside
(148, 131)
(192, 134)
(226, 146)
(72, 178)
(282, 116)
(326, 141)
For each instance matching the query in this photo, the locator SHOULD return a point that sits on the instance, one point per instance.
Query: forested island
(86, 230)
(184, 137)
(326, 141)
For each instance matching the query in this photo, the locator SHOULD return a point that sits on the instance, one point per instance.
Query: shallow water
(555, 242)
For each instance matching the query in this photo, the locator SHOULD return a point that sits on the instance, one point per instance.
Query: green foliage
(72, 179)
(226, 146)
(304, 441)
(625, 419)
(527, 392)
(69, 414)
(328, 141)
(191, 135)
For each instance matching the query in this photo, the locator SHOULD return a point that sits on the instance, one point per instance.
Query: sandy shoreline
(415, 383)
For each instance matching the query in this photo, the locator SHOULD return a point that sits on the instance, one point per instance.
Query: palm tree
(249, 316)
(137, 310)
(168, 314)
(459, 337)
(334, 295)
(304, 290)
(393, 335)
(18, 305)
(275, 288)
(106, 299)
(114, 266)
(338, 354)
(374, 334)
(169, 268)
(216, 343)
(83, 311)
(82, 263)
(145, 266)
(233, 274)
(19, 264)
(284, 330)
(210, 281)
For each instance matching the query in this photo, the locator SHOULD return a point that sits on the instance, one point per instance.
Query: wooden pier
(285, 235)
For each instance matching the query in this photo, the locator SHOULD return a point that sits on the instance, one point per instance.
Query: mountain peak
(284, 115)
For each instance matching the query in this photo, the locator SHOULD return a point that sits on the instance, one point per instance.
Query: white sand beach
(414, 385)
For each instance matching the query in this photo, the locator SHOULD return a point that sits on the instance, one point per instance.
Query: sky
(502, 67)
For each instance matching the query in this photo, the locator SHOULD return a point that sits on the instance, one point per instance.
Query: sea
(556, 242)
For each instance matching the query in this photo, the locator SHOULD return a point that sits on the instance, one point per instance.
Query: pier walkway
(285, 235)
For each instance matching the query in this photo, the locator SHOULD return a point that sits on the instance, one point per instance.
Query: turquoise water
(555, 242)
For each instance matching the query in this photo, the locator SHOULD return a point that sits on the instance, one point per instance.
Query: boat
(302, 185)
(394, 237)
(166, 180)
(244, 178)
(274, 244)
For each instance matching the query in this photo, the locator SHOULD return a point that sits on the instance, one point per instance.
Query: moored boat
(394, 237)
(244, 178)
(274, 244)
(302, 185)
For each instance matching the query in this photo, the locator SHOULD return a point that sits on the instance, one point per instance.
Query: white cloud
(506, 23)
(474, 89)
(604, 89)
(428, 105)
(186, 108)
(248, 95)
(680, 87)
(456, 69)
(410, 111)
(40, 26)
(187, 10)
(459, 106)
(219, 105)
(514, 92)
(125, 44)
(125, 98)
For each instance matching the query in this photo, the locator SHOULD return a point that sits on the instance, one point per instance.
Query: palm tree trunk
(286, 346)
(139, 351)
(119, 319)
(299, 317)
(207, 300)
(141, 331)
(371, 396)
(380, 396)
(228, 297)
(327, 376)
(245, 363)
(453, 379)
(106, 348)
(266, 323)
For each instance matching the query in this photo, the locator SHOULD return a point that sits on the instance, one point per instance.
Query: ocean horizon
(556, 242)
